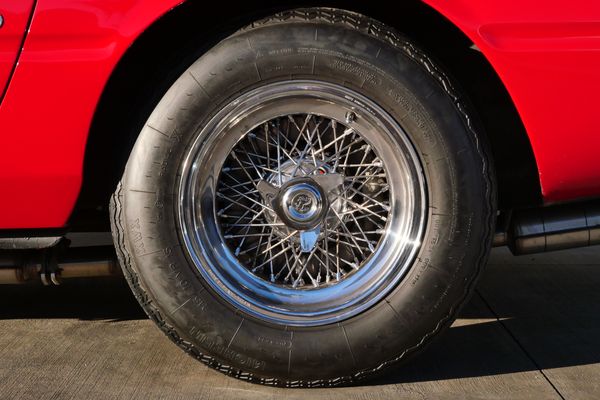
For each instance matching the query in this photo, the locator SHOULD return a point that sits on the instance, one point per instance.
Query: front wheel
(308, 204)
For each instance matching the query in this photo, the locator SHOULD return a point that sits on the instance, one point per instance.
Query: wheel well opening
(516, 169)
(159, 56)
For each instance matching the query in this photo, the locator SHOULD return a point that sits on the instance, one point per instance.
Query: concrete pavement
(532, 331)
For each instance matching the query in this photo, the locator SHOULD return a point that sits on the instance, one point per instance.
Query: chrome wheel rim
(302, 203)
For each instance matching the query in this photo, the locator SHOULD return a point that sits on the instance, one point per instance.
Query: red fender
(548, 57)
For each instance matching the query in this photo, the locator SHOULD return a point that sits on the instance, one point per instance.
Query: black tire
(339, 47)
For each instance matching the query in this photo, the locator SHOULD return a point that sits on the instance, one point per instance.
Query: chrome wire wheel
(302, 203)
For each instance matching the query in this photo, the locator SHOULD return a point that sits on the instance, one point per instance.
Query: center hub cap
(302, 203)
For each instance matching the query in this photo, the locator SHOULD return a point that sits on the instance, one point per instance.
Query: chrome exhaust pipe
(67, 270)
(550, 228)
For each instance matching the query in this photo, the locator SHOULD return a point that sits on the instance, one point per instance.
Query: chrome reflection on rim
(302, 202)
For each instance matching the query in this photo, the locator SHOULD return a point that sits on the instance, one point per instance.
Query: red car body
(56, 57)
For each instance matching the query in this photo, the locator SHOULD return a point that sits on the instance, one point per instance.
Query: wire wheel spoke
(278, 152)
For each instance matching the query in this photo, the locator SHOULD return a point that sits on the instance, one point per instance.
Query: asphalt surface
(532, 331)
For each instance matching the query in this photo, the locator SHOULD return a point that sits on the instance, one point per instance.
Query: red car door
(14, 20)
